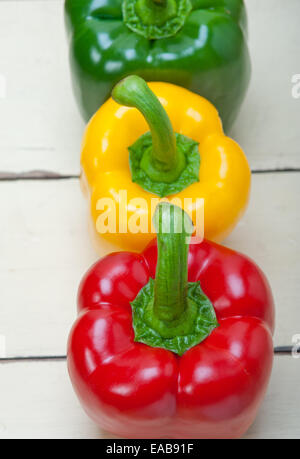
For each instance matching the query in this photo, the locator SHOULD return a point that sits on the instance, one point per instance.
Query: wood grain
(267, 125)
(40, 128)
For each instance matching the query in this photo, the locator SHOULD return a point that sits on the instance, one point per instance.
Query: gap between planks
(48, 175)
(278, 350)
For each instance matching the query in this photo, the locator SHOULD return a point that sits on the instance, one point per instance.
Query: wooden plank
(280, 413)
(40, 125)
(45, 249)
(37, 401)
(40, 128)
(269, 233)
(267, 127)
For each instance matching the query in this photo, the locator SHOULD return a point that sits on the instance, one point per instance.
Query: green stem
(155, 19)
(162, 163)
(169, 312)
(160, 2)
(174, 229)
(156, 12)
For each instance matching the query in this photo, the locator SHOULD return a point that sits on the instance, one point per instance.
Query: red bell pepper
(160, 358)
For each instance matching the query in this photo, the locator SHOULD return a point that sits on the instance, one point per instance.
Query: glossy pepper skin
(208, 55)
(133, 390)
(224, 175)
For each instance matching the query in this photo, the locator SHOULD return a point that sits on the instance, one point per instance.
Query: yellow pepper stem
(162, 162)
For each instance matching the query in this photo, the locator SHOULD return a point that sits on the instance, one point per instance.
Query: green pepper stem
(156, 19)
(174, 229)
(160, 2)
(156, 12)
(133, 91)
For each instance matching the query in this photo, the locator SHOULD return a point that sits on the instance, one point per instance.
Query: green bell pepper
(198, 44)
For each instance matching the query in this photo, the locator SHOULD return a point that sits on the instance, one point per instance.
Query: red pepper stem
(170, 312)
(174, 229)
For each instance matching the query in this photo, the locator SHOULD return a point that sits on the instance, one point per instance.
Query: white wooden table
(44, 243)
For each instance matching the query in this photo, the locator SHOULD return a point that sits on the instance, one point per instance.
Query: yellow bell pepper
(161, 163)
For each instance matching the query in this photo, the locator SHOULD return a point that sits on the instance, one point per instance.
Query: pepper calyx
(155, 19)
(143, 174)
(161, 162)
(201, 311)
(169, 312)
